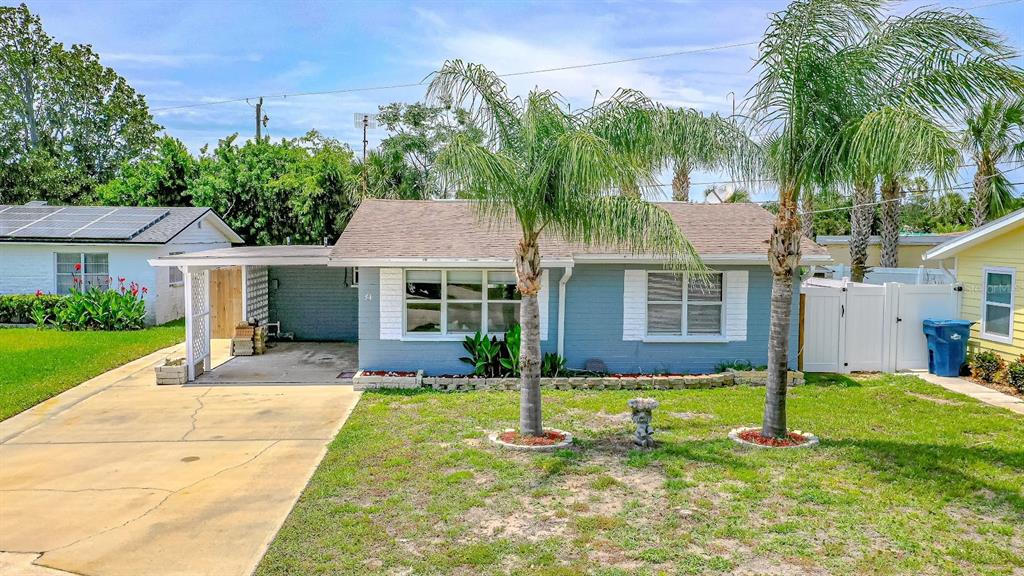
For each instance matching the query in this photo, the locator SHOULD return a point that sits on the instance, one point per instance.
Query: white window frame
(985, 334)
(722, 336)
(444, 334)
(81, 260)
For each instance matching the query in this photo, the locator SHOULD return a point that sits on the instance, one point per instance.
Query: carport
(316, 304)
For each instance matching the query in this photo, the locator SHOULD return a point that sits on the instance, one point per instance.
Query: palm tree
(551, 171)
(994, 134)
(692, 141)
(821, 59)
(893, 142)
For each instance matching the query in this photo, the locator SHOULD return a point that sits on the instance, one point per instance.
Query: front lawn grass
(39, 364)
(909, 479)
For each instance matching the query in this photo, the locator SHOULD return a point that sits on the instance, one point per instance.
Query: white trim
(1012, 273)
(711, 338)
(731, 259)
(221, 261)
(444, 335)
(434, 263)
(975, 236)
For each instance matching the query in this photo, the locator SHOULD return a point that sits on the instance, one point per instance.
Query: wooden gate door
(226, 301)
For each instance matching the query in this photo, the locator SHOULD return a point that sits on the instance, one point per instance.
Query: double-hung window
(997, 304)
(460, 302)
(91, 269)
(681, 305)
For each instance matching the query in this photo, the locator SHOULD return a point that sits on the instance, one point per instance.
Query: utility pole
(259, 117)
(366, 124)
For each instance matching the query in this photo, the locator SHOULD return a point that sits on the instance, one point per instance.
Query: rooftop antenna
(366, 122)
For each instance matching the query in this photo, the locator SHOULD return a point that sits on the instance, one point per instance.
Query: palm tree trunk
(528, 283)
(861, 215)
(784, 257)
(891, 193)
(982, 191)
(807, 218)
(681, 183)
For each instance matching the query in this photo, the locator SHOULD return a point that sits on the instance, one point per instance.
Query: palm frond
(482, 93)
(633, 224)
(893, 141)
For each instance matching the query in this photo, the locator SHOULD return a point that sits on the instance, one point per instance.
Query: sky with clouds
(182, 53)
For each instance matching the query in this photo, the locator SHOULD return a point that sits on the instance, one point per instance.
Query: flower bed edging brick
(368, 382)
(639, 382)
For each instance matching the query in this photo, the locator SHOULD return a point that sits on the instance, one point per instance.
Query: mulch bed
(754, 436)
(549, 438)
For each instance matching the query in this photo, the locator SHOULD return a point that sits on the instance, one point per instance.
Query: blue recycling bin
(947, 345)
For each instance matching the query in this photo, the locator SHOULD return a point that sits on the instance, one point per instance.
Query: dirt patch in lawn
(934, 399)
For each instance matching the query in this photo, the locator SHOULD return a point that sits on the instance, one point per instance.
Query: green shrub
(96, 309)
(739, 365)
(552, 365)
(1015, 374)
(986, 365)
(18, 308)
(491, 357)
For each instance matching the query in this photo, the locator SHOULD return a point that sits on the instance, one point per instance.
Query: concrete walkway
(976, 391)
(118, 476)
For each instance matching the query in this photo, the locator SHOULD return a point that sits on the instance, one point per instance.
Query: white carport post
(197, 320)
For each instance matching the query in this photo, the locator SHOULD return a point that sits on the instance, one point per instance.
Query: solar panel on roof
(78, 222)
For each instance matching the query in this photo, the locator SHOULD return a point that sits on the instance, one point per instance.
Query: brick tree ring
(552, 440)
(749, 436)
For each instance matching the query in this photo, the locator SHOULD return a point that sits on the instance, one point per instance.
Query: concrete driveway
(119, 476)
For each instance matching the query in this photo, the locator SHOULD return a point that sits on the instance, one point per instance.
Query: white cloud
(173, 60)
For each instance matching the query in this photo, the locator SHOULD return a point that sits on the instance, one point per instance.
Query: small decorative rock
(642, 408)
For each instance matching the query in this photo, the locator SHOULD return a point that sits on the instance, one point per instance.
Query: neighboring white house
(40, 246)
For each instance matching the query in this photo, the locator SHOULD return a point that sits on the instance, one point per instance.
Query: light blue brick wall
(314, 302)
(593, 329)
(432, 357)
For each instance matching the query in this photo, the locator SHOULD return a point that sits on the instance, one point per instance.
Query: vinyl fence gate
(853, 327)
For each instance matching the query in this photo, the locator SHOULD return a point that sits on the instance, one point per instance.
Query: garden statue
(642, 408)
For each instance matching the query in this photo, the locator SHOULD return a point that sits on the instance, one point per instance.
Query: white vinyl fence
(850, 327)
(878, 275)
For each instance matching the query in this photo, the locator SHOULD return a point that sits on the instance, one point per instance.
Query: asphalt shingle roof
(454, 229)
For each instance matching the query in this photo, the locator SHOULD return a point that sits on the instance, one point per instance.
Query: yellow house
(989, 264)
(912, 247)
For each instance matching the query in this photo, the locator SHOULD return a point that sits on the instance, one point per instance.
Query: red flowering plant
(98, 307)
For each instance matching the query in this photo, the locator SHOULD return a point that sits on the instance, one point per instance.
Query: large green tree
(300, 190)
(820, 59)
(550, 171)
(994, 134)
(162, 177)
(65, 119)
(417, 133)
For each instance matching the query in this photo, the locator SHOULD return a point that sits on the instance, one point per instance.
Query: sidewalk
(976, 391)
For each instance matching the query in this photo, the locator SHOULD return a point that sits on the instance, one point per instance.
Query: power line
(880, 202)
(508, 75)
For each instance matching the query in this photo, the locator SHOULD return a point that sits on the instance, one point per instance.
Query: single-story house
(43, 247)
(989, 264)
(911, 248)
(409, 280)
